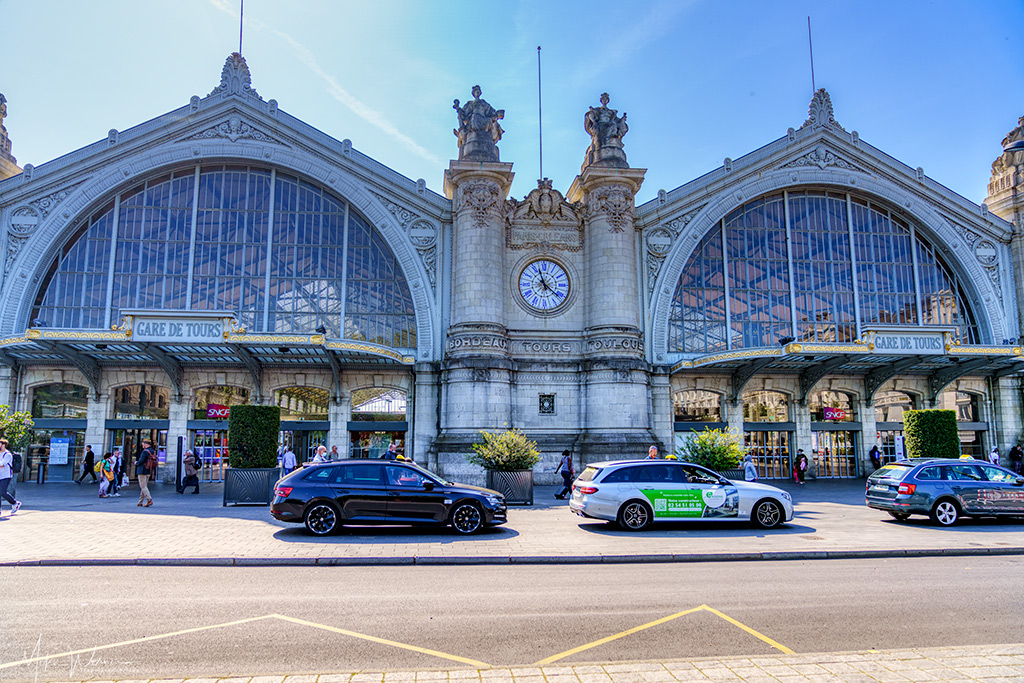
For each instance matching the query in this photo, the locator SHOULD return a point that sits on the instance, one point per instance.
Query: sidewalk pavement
(981, 663)
(62, 523)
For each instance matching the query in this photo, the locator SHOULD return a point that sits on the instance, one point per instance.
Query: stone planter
(515, 485)
(250, 486)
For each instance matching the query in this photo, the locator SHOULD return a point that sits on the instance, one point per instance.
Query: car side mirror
(428, 485)
(1019, 482)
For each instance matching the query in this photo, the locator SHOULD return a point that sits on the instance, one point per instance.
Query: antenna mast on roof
(810, 45)
(540, 127)
(241, 14)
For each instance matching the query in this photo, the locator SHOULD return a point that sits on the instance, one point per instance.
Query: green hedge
(253, 436)
(930, 434)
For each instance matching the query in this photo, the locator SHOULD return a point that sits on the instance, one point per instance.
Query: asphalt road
(117, 619)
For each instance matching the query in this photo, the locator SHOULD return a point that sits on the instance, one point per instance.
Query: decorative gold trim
(827, 348)
(7, 341)
(312, 339)
(370, 348)
(77, 335)
(970, 350)
(734, 355)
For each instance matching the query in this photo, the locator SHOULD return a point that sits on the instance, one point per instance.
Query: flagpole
(540, 125)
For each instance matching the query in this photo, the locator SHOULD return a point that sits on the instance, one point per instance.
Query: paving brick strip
(63, 524)
(984, 663)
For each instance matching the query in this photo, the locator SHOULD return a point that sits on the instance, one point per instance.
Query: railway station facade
(225, 253)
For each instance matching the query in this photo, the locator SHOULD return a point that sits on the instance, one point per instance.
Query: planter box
(250, 486)
(515, 485)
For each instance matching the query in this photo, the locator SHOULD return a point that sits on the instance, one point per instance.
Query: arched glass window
(282, 254)
(841, 245)
(838, 405)
(302, 403)
(378, 404)
(218, 398)
(765, 406)
(965, 405)
(60, 401)
(697, 406)
(890, 405)
(141, 402)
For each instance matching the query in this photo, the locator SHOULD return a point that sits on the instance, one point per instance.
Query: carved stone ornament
(821, 157)
(606, 129)
(545, 347)
(478, 130)
(985, 252)
(480, 198)
(402, 215)
(235, 129)
(46, 204)
(614, 202)
(820, 114)
(1009, 160)
(23, 222)
(544, 219)
(421, 232)
(235, 78)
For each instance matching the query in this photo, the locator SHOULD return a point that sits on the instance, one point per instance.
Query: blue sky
(935, 84)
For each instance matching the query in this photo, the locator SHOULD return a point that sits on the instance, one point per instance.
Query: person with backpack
(565, 468)
(1016, 455)
(6, 474)
(191, 473)
(145, 467)
(800, 467)
(115, 482)
(88, 465)
(106, 470)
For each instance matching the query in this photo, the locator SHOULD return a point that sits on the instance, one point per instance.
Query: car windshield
(588, 474)
(894, 470)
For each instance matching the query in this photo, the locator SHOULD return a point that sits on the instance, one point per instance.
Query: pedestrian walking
(145, 467)
(876, 457)
(800, 467)
(115, 466)
(565, 468)
(6, 474)
(392, 452)
(1016, 455)
(288, 461)
(321, 454)
(88, 465)
(993, 456)
(106, 468)
(335, 455)
(749, 468)
(191, 473)
(652, 453)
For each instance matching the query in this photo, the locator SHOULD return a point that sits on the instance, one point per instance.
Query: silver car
(945, 490)
(637, 493)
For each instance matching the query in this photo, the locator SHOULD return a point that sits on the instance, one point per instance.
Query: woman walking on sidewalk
(566, 470)
(6, 472)
(145, 467)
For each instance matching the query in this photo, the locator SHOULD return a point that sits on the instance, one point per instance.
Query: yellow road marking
(384, 641)
(761, 636)
(703, 608)
(135, 641)
(608, 639)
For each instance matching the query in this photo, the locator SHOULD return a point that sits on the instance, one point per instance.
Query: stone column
(662, 411)
(1005, 422)
(802, 435)
(424, 419)
(477, 370)
(868, 434)
(177, 425)
(337, 434)
(97, 411)
(617, 418)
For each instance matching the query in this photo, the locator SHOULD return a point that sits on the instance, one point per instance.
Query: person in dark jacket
(566, 470)
(88, 465)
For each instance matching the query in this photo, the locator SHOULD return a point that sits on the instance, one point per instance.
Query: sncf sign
(217, 412)
(834, 414)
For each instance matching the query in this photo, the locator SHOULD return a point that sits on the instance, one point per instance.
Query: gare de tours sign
(909, 342)
(179, 327)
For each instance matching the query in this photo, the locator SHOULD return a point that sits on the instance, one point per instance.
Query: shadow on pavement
(350, 535)
(697, 529)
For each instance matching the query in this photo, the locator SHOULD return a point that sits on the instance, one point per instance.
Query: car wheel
(767, 514)
(466, 518)
(899, 516)
(322, 519)
(945, 513)
(635, 516)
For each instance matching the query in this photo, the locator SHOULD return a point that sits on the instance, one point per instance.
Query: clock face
(544, 285)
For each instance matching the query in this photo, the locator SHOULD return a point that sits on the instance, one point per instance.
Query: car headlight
(785, 494)
(494, 500)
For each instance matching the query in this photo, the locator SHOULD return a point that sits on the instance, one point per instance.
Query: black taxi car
(329, 495)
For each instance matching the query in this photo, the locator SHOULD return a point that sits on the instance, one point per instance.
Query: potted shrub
(508, 458)
(717, 449)
(252, 451)
(930, 434)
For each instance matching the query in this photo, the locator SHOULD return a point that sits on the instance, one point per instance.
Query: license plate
(879, 487)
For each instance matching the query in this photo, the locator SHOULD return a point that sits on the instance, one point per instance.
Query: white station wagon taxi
(636, 493)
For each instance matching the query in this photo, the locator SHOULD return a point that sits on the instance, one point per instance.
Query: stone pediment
(821, 157)
(235, 128)
(544, 219)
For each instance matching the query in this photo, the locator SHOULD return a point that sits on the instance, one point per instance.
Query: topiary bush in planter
(717, 449)
(930, 434)
(508, 457)
(252, 454)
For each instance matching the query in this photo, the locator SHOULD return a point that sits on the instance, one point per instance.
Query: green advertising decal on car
(718, 501)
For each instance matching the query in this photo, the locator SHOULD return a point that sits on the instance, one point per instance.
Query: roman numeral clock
(544, 286)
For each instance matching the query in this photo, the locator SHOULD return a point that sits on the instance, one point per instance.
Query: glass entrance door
(770, 451)
(302, 443)
(210, 446)
(834, 454)
(129, 441)
(891, 445)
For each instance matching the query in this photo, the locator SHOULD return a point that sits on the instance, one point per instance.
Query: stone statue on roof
(478, 130)
(606, 130)
(5, 142)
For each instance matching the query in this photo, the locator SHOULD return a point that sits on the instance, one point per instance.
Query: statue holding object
(478, 130)
(606, 130)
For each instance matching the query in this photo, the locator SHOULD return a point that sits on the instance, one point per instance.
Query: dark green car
(945, 490)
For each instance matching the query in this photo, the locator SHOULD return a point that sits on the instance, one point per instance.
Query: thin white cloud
(357, 106)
